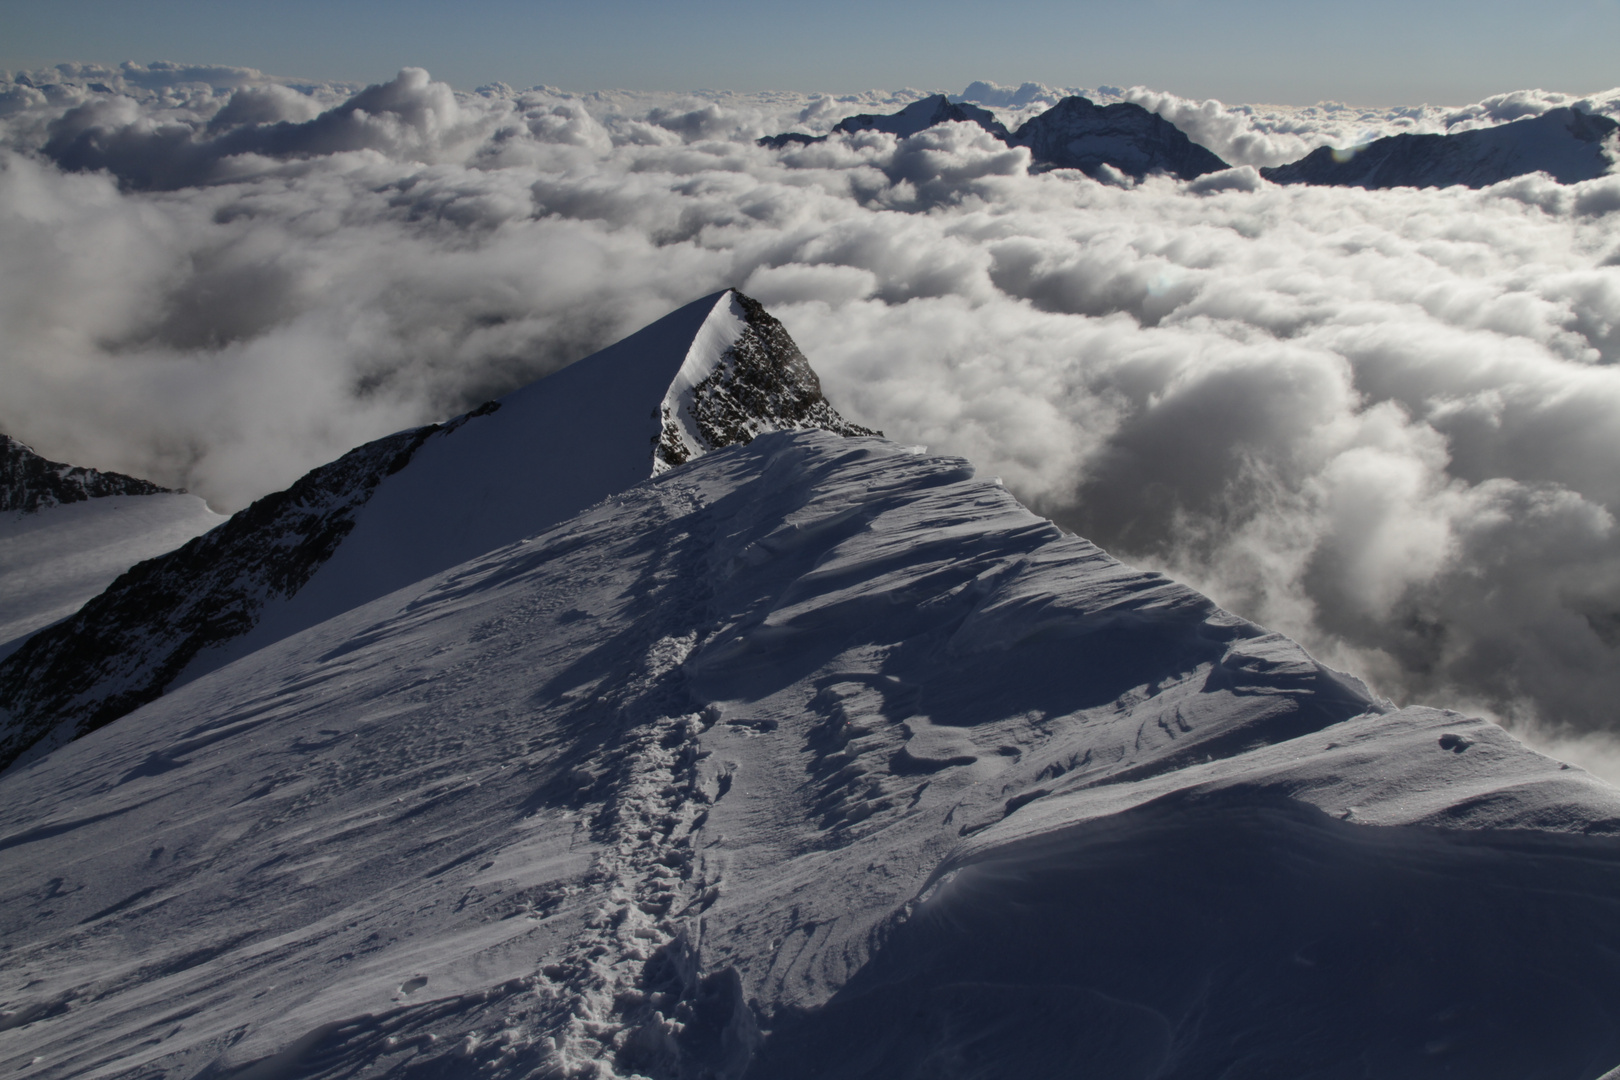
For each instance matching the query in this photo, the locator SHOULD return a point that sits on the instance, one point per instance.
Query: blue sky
(1372, 53)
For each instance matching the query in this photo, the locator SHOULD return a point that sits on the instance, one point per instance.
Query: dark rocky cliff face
(1566, 144)
(1078, 134)
(29, 482)
(763, 383)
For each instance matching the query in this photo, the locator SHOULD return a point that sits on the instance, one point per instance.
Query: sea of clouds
(1386, 423)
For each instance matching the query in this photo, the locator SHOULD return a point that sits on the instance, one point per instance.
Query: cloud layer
(1387, 423)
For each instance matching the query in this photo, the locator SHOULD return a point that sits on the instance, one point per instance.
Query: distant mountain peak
(1077, 133)
(921, 115)
(1567, 144)
(30, 482)
(1073, 134)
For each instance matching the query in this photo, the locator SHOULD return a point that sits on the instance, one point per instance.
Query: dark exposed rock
(1564, 143)
(921, 115)
(763, 383)
(29, 482)
(1078, 134)
(124, 647)
(789, 138)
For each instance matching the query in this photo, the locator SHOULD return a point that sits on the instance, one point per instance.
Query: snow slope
(1567, 144)
(54, 559)
(718, 371)
(812, 757)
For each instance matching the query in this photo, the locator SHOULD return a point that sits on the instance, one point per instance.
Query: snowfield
(53, 560)
(818, 756)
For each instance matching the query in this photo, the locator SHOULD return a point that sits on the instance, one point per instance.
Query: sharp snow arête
(809, 755)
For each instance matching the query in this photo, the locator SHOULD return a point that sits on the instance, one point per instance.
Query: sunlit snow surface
(822, 751)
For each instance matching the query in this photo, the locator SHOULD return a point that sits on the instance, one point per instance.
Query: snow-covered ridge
(815, 757)
(1565, 143)
(29, 482)
(717, 372)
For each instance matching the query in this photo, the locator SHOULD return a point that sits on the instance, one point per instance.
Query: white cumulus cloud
(1386, 423)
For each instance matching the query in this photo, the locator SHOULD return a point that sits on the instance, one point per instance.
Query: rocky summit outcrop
(761, 382)
(1566, 144)
(29, 482)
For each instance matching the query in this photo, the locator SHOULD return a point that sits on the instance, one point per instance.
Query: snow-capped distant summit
(716, 373)
(997, 96)
(1075, 133)
(1078, 134)
(30, 482)
(921, 115)
(1567, 144)
(918, 116)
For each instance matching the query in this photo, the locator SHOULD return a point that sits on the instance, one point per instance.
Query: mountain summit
(1073, 134)
(1078, 134)
(798, 755)
(715, 373)
(1565, 143)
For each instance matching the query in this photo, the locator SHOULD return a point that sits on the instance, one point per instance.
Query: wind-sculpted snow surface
(813, 757)
(715, 373)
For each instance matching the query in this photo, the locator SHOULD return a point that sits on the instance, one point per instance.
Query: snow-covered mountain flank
(1567, 144)
(810, 755)
(67, 532)
(715, 373)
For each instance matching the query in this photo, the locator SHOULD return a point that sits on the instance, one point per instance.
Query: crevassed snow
(814, 757)
(54, 559)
